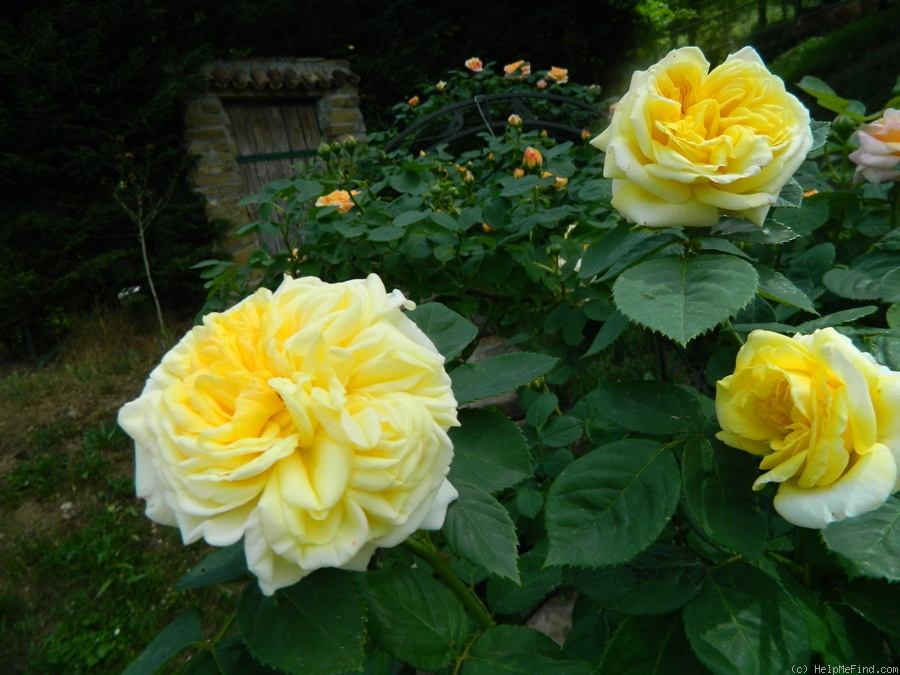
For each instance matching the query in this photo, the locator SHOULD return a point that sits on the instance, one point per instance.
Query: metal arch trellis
(452, 123)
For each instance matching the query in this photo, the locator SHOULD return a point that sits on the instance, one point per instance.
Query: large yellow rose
(685, 144)
(310, 421)
(824, 417)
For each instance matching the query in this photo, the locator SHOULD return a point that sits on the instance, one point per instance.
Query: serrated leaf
(890, 286)
(836, 319)
(876, 601)
(498, 375)
(869, 544)
(805, 220)
(611, 503)
(685, 298)
(489, 451)
(806, 269)
(791, 195)
(479, 529)
(445, 220)
(613, 246)
(599, 190)
(829, 100)
(536, 583)
(517, 650)
(658, 581)
(449, 331)
(650, 407)
(315, 627)
(717, 494)
(862, 280)
(183, 632)
(649, 645)
(744, 623)
(414, 617)
(771, 232)
(775, 286)
(560, 432)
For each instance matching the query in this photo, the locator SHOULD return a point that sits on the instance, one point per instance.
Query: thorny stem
(427, 552)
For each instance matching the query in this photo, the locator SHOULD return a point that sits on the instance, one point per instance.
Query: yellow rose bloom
(686, 144)
(310, 421)
(824, 418)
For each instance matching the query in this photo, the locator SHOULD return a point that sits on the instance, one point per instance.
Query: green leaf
(314, 627)
(407, 218)
(449, 331)
(791, 195)
(805, 220)
(498, 375)
(826, 98)
(869, 544)
(862, 280)
(717, 495)
(890, 286)
(414, 617)
(744, 623)
(222, 567)
(775, 286)
(877, 602)
(657, 581)
(517, 650)
(520, 186)
(489, 451)
(560, 432)
(685, 298)
(480, 530)
(496, 212)
(836, 319)
(386, 233)
(771, 232)
(541, 408)
(536, 583)
(609, 332)
(408, 182)
(806, 269)
(649, 645)
(180, 634)
(230, 656)
(599, 190)
(893, 316)
(649, 407)
(445, 220)
(611, 503)
(613, 246)
(589, 633)
(529, 503)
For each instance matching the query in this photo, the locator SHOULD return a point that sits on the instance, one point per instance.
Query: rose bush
(686, 144)
(822, 415)
(879, 149)
(310, 421)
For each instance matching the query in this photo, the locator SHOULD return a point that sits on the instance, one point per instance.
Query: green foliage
(618, 489)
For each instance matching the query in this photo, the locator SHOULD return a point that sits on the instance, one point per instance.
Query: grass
(87, 578)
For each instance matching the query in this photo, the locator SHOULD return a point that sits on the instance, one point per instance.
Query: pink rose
(879, 149)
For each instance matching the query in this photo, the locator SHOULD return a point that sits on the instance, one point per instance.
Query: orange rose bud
(558, 75)
(339, 198)
(414, 101)
(532, 158)
(518, 173)
(514, 120)
(474, 64)
(486, 227)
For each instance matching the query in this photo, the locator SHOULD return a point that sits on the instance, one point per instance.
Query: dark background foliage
(86, 80)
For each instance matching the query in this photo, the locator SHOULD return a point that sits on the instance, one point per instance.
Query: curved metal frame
(457, 129)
